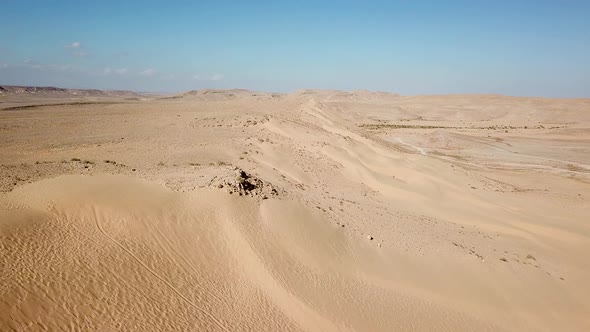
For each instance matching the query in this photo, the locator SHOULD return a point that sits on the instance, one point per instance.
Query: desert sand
(232, 210)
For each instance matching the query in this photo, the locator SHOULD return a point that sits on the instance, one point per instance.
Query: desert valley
(233, 210)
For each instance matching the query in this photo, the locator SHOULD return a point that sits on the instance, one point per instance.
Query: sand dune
(316, 211)
(94, 252)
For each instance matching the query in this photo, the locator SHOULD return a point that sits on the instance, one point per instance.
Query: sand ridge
(203, 256)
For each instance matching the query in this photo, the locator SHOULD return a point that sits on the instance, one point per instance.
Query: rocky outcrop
(246, 184)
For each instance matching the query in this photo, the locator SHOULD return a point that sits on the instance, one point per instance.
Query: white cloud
(148, 72)
(32, 64)
(108, 71)
(80, 53)
(62, 67)
(214, 77)
(74, 45)
(4, 66)
(28, 63)
(77, 49)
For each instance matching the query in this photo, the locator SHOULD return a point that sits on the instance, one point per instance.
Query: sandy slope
(386, 213)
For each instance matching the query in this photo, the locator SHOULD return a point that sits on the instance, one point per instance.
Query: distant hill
(62, 92)
(338, 95)
(221, 95)
(328, 95)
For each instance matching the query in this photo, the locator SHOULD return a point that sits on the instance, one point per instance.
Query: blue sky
(533, 48)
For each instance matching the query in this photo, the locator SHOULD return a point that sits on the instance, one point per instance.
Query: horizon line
(291, 92)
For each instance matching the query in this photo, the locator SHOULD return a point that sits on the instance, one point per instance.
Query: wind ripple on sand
(109, 253)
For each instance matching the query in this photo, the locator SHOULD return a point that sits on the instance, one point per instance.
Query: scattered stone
(369, 237)
(503, 259)
(245, 184)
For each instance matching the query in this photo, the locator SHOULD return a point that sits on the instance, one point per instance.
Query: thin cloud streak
(80, 53)
(214, 77)
(74, 45)
(148, 72)
(110, 71)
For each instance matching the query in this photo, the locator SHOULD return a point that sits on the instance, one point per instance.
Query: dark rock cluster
(245, 184)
